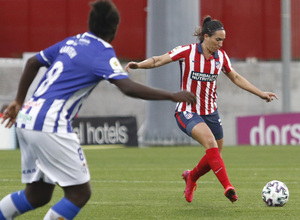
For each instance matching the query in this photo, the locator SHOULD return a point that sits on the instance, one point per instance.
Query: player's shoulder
(180, 49)
(185, 47)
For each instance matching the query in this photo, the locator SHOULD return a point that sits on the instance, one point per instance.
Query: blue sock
(66, 208)
(21, 202)
(1, 216)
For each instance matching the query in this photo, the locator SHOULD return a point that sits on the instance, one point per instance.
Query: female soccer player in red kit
(203, 62)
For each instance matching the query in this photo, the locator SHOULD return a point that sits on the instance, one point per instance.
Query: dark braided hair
(209, 27)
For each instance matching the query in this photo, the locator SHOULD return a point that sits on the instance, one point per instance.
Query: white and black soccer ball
(275, 193)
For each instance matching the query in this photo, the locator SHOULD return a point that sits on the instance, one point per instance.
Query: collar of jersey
(200, 50)
(91, 35)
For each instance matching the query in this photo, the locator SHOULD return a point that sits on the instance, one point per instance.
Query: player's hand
(269, 96)
(131, 65)
(184, 96)
(11, 113)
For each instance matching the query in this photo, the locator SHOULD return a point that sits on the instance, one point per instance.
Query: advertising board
(275, 129)
(106, 130)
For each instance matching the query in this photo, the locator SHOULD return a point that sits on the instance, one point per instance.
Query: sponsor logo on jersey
(205, 77)
(28, 104)
(24, 117)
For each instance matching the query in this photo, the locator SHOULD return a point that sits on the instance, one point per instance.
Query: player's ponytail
(209, 27)
(205, 20)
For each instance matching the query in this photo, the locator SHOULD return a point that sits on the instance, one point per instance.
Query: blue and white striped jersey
(75, 66)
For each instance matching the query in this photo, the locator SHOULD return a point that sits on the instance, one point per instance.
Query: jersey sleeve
(227, 64)
(47, 56)
(109, 67)
(179, 52)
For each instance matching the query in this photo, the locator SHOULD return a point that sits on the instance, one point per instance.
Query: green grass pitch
(146, 183)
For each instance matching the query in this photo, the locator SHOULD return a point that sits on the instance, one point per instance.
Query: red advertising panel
(276, 129)
(32, 25)
(253, 27)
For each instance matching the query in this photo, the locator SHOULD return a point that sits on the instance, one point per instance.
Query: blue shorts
(187, 121)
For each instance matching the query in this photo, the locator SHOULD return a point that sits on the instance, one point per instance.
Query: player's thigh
(39, 193)
(202, 133)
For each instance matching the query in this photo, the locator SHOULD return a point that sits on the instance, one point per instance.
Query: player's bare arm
(243, 83)
(31, 69)
(137, 90)
(149, 63)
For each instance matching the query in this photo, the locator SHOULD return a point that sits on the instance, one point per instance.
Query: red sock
(217, 165)
(201, 169)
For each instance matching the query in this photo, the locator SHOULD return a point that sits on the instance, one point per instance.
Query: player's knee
(80, 195)
(39, 201)
(80, 199)
(86, 195)
(45, 200)
(211, 143)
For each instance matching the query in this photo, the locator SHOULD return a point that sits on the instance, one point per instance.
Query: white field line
(102, 147)
(160, 169)
(170, 182)
(141, 181)
(150, 181)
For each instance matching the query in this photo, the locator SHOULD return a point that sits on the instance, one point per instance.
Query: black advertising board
(106, 130)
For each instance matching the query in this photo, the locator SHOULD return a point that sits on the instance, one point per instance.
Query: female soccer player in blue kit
(51, 154)
(203, 62)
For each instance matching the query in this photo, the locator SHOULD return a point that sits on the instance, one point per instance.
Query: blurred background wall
(253, 26)
(253, 43)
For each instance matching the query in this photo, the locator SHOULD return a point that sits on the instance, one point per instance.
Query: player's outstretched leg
(217, 165)
(201, 169)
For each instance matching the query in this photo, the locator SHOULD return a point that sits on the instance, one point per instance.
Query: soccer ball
(275, 193)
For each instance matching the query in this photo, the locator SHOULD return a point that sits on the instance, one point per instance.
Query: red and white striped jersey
(199, 76)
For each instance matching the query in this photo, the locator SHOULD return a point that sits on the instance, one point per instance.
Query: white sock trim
(8, 208)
